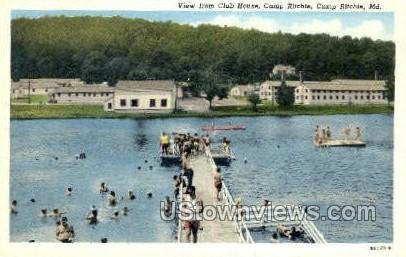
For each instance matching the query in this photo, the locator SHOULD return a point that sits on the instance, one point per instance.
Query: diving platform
(341, 143)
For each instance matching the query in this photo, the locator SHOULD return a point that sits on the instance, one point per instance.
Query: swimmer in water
(65, 232)
(125, 211)
(111, 198)
(44, 213)
(68, 191)
(131, 195)
(115, 215)
(103, 188)
(13, 207)
(92, 216)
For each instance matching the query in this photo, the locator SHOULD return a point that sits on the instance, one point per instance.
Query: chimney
(301, 76)
(376, 75)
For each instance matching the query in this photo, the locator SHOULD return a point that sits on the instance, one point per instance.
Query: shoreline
(32, 112)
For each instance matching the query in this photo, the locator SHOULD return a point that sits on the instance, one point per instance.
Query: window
(331, 97)
(134, 102)
(362, 97)
(14, 91)
(84, 94)
(367, 97)
(373, 97)
(107, 94)
(307, 90)
(269, 87)
(343, 97)
(69, 94)
(102, 94)
(313, 97)
(152, 103)
(77, 94)
(337, 97)
(324, 97)
(164, 102)
(123, 102)
(33, 90)
(46, 89)
(379, 97)
(109, 106)
(318, 91)
(318, 97)
(356, 97)
(305, 96)
(89, 94)
(94, 94)
(59, 94)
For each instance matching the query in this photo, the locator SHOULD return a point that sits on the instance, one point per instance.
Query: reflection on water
(282, 166)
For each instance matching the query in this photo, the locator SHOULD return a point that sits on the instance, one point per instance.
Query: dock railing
(240, 226)
(179, 202)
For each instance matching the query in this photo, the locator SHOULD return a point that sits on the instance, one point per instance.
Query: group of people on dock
(323, 135)
(183, 143)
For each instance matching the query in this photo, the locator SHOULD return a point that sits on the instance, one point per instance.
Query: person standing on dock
(218, 184)
(347, 132)
(316, 135)
(164, 141)
(328, 133)
(358, 134)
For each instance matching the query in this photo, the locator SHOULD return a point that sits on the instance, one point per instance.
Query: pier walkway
(216, 230)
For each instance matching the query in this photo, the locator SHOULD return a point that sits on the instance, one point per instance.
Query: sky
(356, 24)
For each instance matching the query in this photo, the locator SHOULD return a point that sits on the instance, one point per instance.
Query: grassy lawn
(35, 99)
(96, 111)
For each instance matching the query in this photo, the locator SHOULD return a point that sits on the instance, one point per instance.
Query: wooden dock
(217, 231)
(341, 142)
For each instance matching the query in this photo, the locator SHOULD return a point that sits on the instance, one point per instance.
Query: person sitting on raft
(13, 207)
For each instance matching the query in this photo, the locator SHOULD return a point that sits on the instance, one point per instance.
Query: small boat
(225, 127)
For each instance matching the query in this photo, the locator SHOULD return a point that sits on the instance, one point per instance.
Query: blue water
(294, 173)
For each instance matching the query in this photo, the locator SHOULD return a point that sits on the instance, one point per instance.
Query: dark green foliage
(254, 101)
(286, 96)
(110, 48)
(390, 87)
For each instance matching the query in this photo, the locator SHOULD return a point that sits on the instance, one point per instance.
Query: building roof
(277, 83)
(45, 83)
(146, 85)
(88, 88)
(347, 84)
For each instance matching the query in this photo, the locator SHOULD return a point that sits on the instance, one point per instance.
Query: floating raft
(221, 156)
(341, 142)
(227, 127)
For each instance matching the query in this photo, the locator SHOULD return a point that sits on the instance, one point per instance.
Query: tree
(254, 101)
(390, 89)
(286, 96)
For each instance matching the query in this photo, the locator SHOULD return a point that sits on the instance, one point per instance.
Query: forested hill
(110, 48)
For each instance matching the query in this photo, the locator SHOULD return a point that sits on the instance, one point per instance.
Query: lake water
(294, 173)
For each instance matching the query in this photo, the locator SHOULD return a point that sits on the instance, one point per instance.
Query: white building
(84, 94)
(242, 90)
(269, 90)
(341, 92)
(143, 96)
(25, 87)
